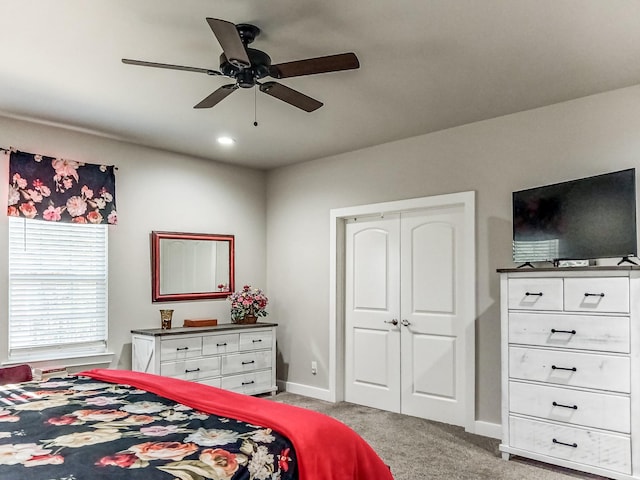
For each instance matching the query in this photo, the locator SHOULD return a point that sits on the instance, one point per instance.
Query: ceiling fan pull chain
(255, 107)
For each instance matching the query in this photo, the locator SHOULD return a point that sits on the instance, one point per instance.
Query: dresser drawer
(535, 294)
(216, 344)
(248, 382)
(212, 382)
(244, 362)
(255, 340)
(589, 370)
(589, 447)
(609, 295)
(585, 332)
(576, 407)
(192, 369)
(180, 348)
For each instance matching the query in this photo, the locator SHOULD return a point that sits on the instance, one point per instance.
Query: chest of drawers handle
(572, 332)
(257, 341)
(572, 369)
(248, 383)
(556, 404)
(573, 445)
(221, 344)
(537, 294)
(249, 362)
(192, 370)
(594, 294)
(182, 348)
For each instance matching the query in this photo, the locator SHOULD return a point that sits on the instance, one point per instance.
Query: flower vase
(247, 319)
(165, 317)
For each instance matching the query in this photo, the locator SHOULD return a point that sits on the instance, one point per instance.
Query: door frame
(337, 285)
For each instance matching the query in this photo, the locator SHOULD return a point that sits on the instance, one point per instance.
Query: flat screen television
(589, 218)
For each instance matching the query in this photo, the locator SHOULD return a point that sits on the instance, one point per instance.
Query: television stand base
(626, 259)
(526, 264)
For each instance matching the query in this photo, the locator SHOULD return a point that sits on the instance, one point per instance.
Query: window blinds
(536, 250)
(57, 288)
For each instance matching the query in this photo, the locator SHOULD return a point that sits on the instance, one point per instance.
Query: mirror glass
(191, 266)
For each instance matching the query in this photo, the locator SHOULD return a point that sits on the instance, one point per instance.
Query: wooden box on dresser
(235, 357)
(571, 367)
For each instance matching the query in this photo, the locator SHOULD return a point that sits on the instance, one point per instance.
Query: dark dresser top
(159, 332)
(594, 268)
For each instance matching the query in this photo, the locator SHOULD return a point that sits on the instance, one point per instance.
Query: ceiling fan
(247, 66)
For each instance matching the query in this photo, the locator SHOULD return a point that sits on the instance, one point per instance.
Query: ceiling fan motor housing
(246, 77)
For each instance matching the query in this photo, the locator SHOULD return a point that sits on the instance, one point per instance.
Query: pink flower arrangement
(248, 301)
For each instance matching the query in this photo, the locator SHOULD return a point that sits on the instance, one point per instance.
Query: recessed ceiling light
(226, 141)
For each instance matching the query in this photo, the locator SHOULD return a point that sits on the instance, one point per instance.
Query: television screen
(589, 218)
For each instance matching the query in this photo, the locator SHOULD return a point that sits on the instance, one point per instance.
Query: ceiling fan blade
(141, 63)
(217, 96)
(230, 41)
(291, 96)
(311, 66)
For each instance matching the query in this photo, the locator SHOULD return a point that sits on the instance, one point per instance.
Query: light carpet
(418, 449)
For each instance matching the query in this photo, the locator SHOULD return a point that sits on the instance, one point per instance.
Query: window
(57, 289)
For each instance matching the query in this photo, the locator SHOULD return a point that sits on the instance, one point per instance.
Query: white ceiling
(426, 65)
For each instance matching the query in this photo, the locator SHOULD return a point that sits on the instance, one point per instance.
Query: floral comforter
(78, 428)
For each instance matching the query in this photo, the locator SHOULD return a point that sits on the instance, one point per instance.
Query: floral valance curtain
(59, 190)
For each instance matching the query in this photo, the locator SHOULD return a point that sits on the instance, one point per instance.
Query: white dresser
(241, 358)
(571, 367)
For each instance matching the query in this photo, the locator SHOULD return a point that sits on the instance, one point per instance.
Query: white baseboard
(305, 390)
(486, 429)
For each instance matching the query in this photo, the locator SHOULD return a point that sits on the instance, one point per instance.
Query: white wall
(155, 190)
(565, 141)
(585, 137)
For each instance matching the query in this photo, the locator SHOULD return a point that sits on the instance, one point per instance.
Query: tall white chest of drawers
(241, 358)
(571, 367)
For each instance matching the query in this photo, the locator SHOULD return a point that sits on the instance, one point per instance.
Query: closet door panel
(433, 326)
(372, 341)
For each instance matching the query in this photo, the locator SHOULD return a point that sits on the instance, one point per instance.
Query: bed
(119, 424)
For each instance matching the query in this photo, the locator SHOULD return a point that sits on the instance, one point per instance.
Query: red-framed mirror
(191, 266)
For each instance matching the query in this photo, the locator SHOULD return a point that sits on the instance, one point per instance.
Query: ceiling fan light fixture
(227, 141)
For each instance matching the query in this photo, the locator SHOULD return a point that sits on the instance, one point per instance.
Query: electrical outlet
(314, 367)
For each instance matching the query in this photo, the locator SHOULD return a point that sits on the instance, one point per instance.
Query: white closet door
(372, 303)
(432, 315)
(408, 269)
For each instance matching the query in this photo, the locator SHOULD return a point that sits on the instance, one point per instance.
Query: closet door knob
(405, 322)
(392, 322)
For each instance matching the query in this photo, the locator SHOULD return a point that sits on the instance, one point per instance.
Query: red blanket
(326, 448)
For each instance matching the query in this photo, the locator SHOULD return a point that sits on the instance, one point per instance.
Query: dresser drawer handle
(538, 294)
(572, 332)
(556, 404)
(572, 369)
(221, 344)
(190, 371)
(249, 362)
(573, 445)
(182, 348)
(248, 383)
(594, 294)
(257, 341)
